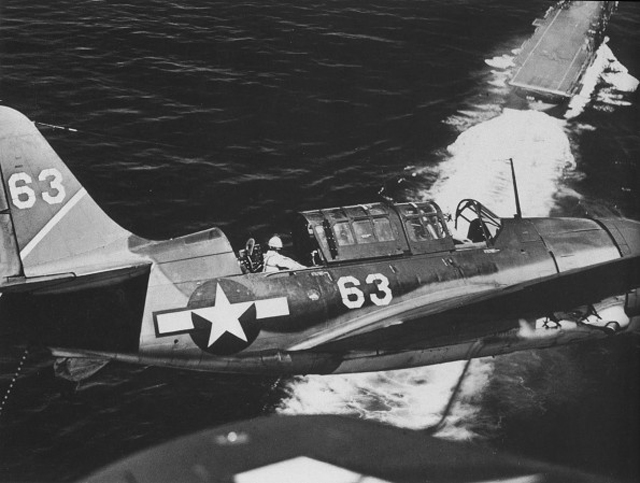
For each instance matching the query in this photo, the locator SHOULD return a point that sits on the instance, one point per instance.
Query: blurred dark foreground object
(336, 449)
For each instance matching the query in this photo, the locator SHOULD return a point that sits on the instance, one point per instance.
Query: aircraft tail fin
(47, 218)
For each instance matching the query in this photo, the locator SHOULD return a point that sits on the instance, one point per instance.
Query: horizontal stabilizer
(68, 282)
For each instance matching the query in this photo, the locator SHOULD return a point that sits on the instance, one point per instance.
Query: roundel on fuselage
(224, 317)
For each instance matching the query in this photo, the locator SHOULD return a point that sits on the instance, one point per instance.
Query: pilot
(275, 261)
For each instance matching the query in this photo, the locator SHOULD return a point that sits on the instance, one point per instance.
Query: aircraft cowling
(626, 234)
(577, 242)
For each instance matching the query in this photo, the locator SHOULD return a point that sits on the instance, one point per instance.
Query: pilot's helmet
(275, 242)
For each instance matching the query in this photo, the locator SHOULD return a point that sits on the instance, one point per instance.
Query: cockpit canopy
(371, 230)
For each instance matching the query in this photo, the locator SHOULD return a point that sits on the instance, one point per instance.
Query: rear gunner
(275, 261)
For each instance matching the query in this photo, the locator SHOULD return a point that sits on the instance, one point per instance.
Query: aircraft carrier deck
(552, 62)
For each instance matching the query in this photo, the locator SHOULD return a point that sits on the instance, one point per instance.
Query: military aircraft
(388, 285)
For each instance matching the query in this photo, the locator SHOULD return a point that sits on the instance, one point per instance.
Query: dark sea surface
(237, 114)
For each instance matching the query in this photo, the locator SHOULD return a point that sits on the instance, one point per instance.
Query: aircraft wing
(328, 448)
(563, 291)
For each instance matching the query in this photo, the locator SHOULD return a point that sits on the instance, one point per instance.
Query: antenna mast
(515, 190)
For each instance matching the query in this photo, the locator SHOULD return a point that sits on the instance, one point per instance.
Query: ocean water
(237, 114)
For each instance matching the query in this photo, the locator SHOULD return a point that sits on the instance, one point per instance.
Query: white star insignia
(224, 317)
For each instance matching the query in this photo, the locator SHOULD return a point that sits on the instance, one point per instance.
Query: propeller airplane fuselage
(386, 285)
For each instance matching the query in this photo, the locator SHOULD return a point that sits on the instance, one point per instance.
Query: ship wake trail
(606, 81)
